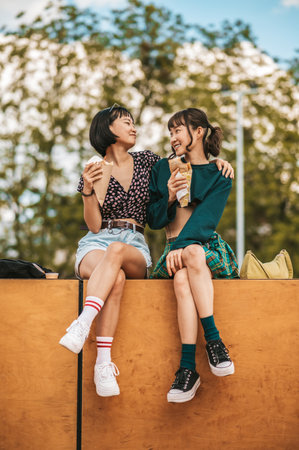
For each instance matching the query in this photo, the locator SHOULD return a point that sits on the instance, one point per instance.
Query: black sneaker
(184, 386)
(219, 360)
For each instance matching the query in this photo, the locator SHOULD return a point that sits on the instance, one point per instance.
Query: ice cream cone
(100, 186)
(185, 169)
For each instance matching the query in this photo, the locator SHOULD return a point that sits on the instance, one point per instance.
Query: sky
(275, 23)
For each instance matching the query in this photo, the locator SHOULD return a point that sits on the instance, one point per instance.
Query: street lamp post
(240, 220)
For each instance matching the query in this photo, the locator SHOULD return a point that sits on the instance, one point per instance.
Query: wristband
(87, 195)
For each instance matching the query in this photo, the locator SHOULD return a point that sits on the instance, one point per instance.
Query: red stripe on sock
(103, 346)
(93, 305)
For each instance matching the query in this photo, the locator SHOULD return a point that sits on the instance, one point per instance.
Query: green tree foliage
(52, 87)
(294, 67)
(151, 35)
(59, 70)
(63, 23)
(227, 37)
(270, 138)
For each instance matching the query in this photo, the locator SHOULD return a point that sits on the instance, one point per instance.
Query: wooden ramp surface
(38, 389)
(257, 408)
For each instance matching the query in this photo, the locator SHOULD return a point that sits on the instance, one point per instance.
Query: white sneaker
(76, 336)
(104, 379)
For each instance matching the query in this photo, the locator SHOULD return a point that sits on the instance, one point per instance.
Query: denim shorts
(102, 239)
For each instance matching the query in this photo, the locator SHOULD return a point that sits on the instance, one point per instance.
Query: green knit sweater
(209, 189)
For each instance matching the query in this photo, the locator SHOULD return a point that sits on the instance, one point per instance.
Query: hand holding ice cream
(180, 172)
(96, 175)
(176, 183)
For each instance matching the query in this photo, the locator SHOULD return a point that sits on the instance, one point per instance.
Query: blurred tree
(59, 70)
(50, 90)
(228, 36)
(270, 138)
(294, 67)
(272, 169)
(152, 35)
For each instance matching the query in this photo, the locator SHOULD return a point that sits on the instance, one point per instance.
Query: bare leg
(186, 309)
(187, 380)
(117, 256)
(107, 281)
(200, 282)
(200, 279)
(107, 321)
(105, 371)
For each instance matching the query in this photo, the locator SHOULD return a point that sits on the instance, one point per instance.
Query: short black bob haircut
(100, 134)
(195, 118)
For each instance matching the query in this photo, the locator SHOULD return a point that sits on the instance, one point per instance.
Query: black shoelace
(219, 350)
(180, 380)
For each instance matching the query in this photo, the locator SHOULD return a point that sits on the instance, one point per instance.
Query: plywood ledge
(255, 408)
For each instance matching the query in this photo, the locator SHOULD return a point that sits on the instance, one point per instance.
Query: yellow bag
(280, 268)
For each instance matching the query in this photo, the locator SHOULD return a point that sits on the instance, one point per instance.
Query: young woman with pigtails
(194, 252)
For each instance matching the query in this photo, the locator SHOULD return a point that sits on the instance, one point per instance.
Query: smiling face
(180, 139)
(124, 128)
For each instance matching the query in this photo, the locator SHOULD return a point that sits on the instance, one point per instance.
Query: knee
(194, 256)
(115, 250)
(180, 280)
(117, 289)
(120, 280)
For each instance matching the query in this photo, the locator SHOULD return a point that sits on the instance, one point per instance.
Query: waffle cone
(100, 186)
(185, 169)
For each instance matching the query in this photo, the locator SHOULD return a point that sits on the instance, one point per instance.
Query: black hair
(195, 118)
(100, 135)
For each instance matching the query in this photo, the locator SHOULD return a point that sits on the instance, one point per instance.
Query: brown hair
(195, 118)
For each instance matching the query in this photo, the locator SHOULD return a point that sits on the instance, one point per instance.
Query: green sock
(211, 332)
(188, 356)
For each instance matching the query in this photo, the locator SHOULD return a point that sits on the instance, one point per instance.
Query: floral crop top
(118, 203)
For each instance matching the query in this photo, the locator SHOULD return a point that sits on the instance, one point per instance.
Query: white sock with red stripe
(92, 307)
(104, 345)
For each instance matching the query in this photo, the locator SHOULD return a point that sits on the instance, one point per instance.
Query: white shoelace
(107, 370)
(78, 328)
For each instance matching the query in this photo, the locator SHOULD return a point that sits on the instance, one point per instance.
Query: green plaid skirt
(219, 256)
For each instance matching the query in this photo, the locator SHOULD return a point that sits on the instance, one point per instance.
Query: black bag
(16, 268)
